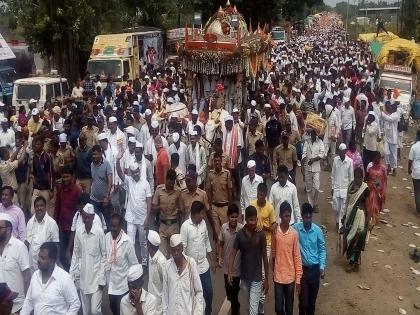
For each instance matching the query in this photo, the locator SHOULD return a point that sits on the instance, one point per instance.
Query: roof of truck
(40, 80)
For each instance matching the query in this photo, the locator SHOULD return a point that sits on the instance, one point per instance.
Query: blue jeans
(207, 290)
(252, 293)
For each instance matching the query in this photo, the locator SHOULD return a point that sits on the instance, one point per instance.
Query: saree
(376, 178)
(355, 225)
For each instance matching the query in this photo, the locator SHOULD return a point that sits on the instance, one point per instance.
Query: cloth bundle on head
(154, 238)
(175, 136)
(89, 209)
(134, 272)
(175, 240)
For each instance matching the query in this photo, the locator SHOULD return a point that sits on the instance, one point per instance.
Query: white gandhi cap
(5, 217)
(342, 147)
(134, 272)
(89, 209)
(154, 238)
(250, 164)
(62, 138)
(175, 240)
(102, 136)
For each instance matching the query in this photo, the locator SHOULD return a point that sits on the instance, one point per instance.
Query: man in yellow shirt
(35, 122)
(266, 222)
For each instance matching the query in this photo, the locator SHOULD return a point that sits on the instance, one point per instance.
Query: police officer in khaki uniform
(166, 204)
(194, 193)
(253, 135)
(219, 188)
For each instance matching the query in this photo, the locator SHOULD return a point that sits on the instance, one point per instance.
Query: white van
(41, 89)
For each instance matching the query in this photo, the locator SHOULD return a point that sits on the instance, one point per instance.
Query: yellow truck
(126, 54)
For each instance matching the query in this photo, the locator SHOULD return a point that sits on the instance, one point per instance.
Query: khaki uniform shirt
(91, 135)
(169, 201)
(218, 183)
(188, 198)
(251, 139)
(285, 156)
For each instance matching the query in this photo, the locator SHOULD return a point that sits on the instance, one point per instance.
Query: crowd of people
(81, 179)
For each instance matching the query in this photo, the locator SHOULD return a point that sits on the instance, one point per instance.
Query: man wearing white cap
(196, 155)
(139, 202)
(88, 262)
(157, 267)
(57, 121)
(341, 177)
(14, 262)
(150, 151)
(348, 121)
(145, 128)
(35, 122)
(181, 148)
(249, 186)
(194, 122)
(121, 255)
(138, 301)
(251, 110)
(65, 153)
(146, 168)
(182, 291)
(129, 156)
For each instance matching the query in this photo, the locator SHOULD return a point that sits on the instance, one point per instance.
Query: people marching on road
(128, 194)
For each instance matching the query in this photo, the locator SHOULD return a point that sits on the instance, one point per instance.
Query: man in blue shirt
(314, 256)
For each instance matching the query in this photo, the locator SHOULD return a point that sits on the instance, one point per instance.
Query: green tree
(63, 31)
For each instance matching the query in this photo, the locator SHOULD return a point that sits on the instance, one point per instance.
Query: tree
(62, 31)
(410, 19)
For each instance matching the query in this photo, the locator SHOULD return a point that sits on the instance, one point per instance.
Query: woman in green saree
(355, 222)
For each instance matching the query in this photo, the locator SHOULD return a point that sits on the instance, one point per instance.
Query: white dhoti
(312, 186)
(339, 206)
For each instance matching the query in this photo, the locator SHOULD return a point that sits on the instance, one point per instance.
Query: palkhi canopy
(225, 46)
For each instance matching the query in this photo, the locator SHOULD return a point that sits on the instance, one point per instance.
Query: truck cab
(7, 77)
(278, 35)
(400, 78)
(122, 56)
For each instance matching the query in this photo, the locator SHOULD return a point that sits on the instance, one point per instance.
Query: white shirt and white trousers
(88, 266)
(391, 138)
(312, 172)
(341, 177)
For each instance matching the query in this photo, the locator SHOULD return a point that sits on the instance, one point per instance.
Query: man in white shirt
(332, 131)
(179, 147)
(149, 146)
(414, 170)
(7, 135)
(77, 92)
(284, 190)
(313, 153)
(14, 262)
(341, 177)
(371, 134)
(196, 241)
(139, 203)
(196, 155)
(121, 255)
(144, 134)
(157, 266)
(52, 290)
(182, 293)
(249, 186)
(138, 300)
(88, 262)
(390, 118)
(41, 228)
(146, 168)
(129, 156)
(348, 121)
(194, 122)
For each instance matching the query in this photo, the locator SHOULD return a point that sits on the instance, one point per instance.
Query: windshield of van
(105, 68)
(7, 77)
(28, 91)
(277, 35)
(391, 83)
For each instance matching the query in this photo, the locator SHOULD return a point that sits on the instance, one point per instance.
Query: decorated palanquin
(224, 52)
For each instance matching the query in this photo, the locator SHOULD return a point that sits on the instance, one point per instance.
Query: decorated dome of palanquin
(221, 22)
